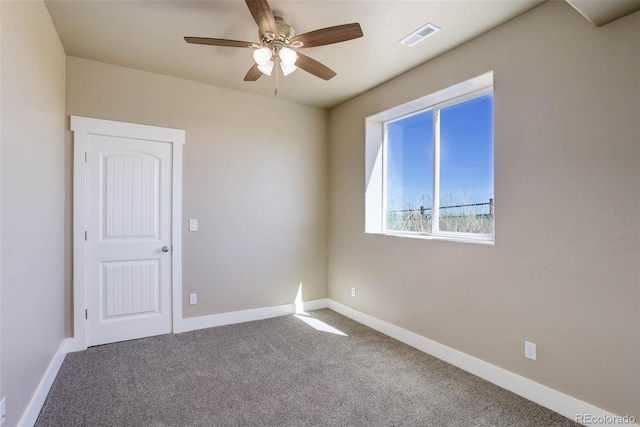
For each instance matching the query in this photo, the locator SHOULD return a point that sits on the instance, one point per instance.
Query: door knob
(165, 249)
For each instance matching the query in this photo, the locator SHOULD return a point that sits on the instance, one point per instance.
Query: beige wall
(32, 189)
(564, 271)
(255, 176)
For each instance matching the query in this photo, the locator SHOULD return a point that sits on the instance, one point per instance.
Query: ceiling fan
(279, 44)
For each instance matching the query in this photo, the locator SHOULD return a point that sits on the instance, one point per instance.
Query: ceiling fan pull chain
(277, 60)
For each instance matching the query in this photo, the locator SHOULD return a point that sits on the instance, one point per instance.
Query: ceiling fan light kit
(262, 55)
(287, 69)
(266, 68)
(288, 56)
(278, 43)
(265, 56)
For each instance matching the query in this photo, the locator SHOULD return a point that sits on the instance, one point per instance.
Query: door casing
(81, 128)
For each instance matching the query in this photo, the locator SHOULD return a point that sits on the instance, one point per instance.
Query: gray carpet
(277, 372)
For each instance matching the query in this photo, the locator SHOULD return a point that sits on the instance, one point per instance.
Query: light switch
(193, 225)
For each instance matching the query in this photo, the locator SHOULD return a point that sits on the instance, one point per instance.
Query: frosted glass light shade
(262, 55)
(288, 56)
(287, 69)
(266, 68)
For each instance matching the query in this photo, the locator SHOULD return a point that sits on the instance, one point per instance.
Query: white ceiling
(602, 12)
(148, 35)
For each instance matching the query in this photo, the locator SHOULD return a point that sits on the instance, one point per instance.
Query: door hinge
(85, 157)
(85, 235)
(86, 313)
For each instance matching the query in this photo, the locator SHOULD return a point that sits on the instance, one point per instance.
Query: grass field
(456, 215)
(415, 221)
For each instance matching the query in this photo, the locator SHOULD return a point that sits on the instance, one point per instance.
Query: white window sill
(479, 240)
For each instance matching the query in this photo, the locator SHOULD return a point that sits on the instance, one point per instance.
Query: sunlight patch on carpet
(319, 325)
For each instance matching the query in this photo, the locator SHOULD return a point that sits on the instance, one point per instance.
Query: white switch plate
(353, 292)
(193, 225)
(193, 299)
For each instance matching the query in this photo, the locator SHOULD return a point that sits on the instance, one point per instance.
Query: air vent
(420, 34)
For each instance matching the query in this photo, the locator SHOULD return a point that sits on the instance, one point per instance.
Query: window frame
(376, 169)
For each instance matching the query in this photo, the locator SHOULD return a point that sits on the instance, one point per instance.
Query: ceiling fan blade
(314, 67)
(329, 35)
(218, 42)
(253, 74)
(263, 16)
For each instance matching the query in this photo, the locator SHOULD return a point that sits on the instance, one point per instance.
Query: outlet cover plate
(529, 350)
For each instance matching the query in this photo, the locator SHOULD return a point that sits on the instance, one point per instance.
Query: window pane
(466, 166)
(409, 180)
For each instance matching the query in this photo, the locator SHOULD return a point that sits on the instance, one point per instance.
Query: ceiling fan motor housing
(285, 32)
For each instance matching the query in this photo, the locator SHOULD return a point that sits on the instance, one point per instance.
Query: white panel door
(128, 238)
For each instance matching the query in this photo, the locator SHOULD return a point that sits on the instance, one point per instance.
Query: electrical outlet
(193, 299)
(529, 350)
(353, 292)
(3, 410)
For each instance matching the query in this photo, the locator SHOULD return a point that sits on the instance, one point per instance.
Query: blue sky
(466, 155)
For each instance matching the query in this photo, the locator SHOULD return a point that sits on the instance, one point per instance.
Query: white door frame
(81, 128)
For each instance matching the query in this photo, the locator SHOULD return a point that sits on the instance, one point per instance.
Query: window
(430, 165)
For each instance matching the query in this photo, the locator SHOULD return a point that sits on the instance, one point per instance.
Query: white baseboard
(552, 399)
(316, 304)
(30, 414)
(213, 320)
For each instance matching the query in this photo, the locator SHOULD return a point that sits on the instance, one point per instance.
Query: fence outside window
(462, 218)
